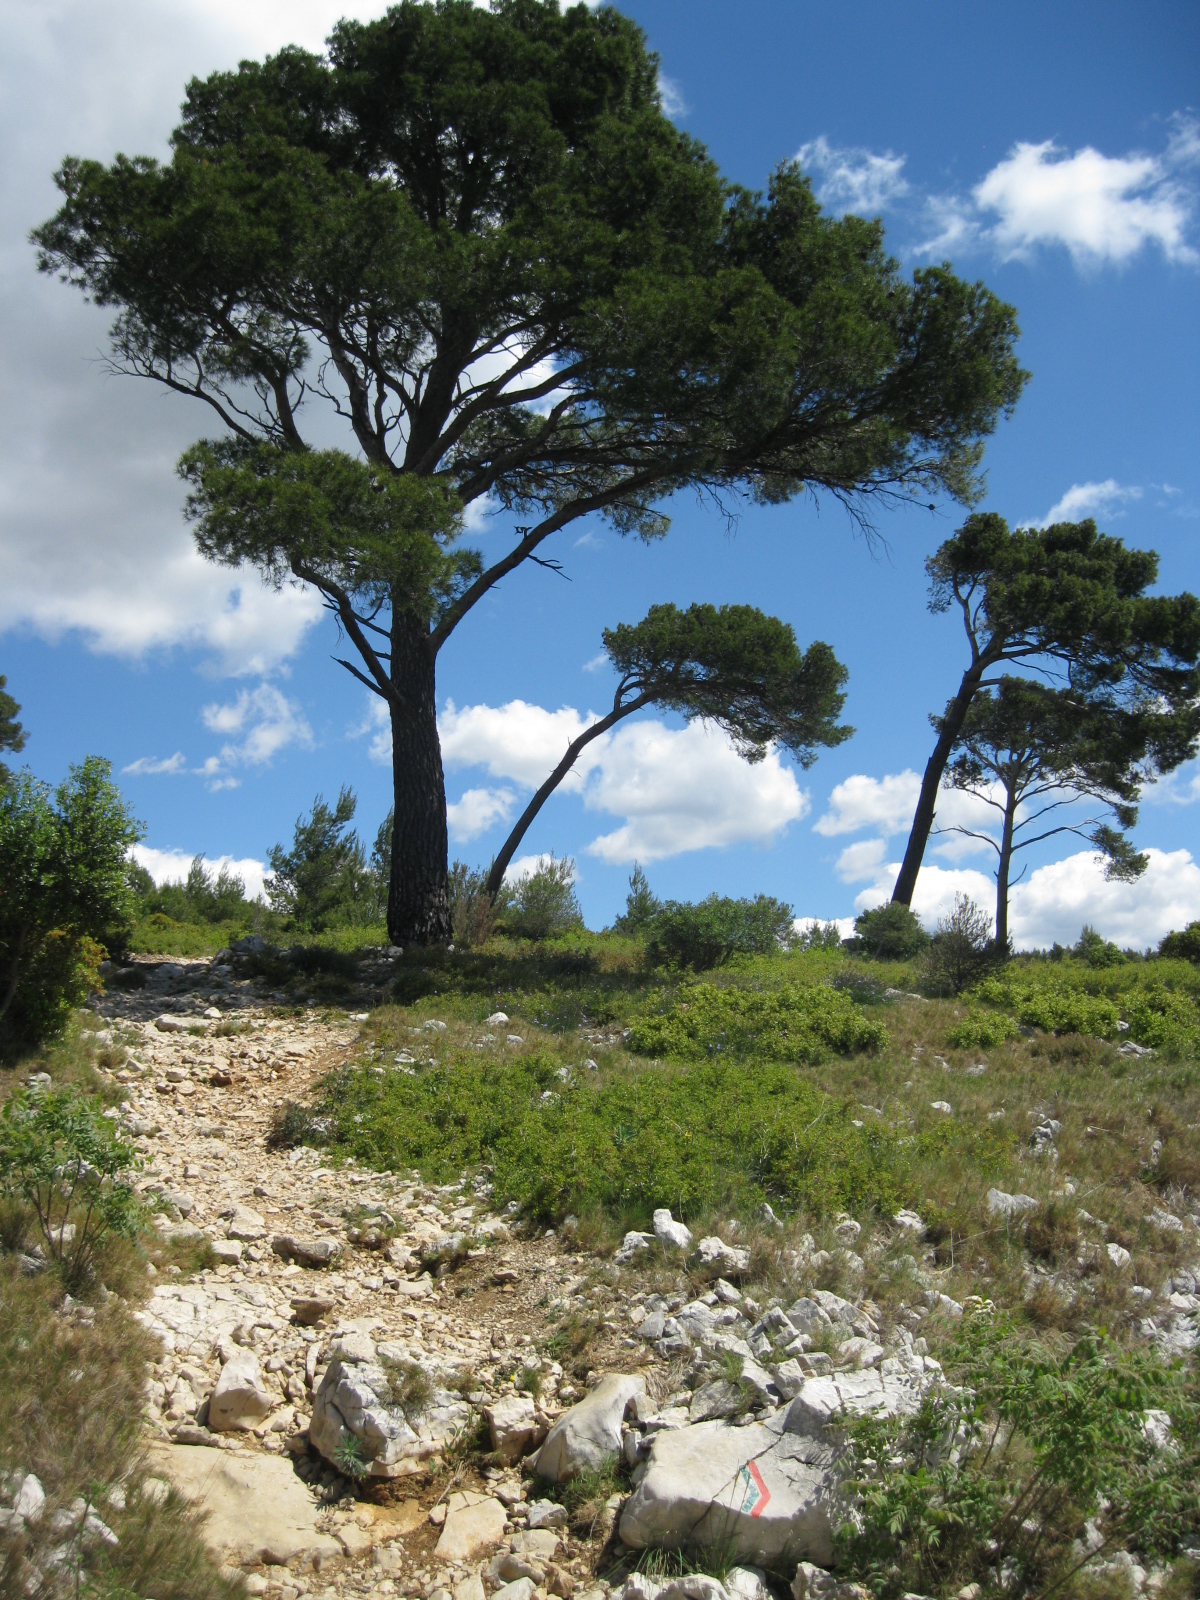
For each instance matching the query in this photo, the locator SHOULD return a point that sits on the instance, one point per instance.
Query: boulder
(547, 1514)
(716, 1259)
(588, 1436)
(814, 1583)
(894, 1388)
(320, 1252)
(514, 1426)
(537, 1544)
(752, 1492)
(257, 1508)
(474, 1522)
(669, 1232)
(1000, 1204)
(228, 1251)
(352, 1410)
(747, 1583)
(309, 1309)
(632, 1245)
(246, 1225)
(241, 1398)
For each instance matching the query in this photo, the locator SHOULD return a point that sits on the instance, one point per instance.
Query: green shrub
(710, 1134)
(982, 1030)
(1096, 951)
(706, 935)
(890, 932)
(63, 1158)
(791, 1024)
(962, 947)
(1183, 946)
(999, 1472)
(542, 905)
(472, 911)
(641, 907)
(1050, 1001)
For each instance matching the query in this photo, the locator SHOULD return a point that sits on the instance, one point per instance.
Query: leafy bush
(202, 898)
(472, 912)
(542, 905)
(961, 948)
(819, 936)
(982, 1030)
(706, 935)
(997, 1475)
(792, 1024)
(1095, 950)
(1183, 946)
(64, 894)
(890, 932)
(63, 1158)
(712, 1133)
(641, 907)
(323, 880)
(1048, 1000)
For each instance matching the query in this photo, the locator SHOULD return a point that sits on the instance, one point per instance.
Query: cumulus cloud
(1086, 499)
(1178, 788)
(1058, 899)
(477, 811)
(145, 765)
(861, 860)
(687, 789)
(526, 866)
(267, 720)
(171, 866)
(865, 802)
(518, 741)
(852, 178)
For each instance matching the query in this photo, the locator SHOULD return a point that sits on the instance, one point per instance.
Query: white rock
(911, 1222)
(514, 1426)
(349, 1405)
(1166, 1220)
(670, 1232)
(588, 1436)
(1000, 1204)
(241, 1398)
(749, 1490)
(848, 1230)
(522, 1589)
(30, 1500)
(1118, 1255)
(747, 1583)
(474, 1522)
(496, 1019)
(226, 1250)
(632, 1245)
(943, 1106)
(694, 1586)
(547, 1514)
(246, 1225)
(717, 1259)
(894, 1388)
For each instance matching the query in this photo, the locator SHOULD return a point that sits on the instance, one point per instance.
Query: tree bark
(499, 866)
(1006, 849)
(418, 902)
(935, 767)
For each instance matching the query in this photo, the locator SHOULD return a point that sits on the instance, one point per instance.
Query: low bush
(982, 1030)
(1183, 946)
(706, 935)
(890, 932)
(991, 1481)
(791, 1024)
(472, 910)
(1044, 999)
(541, 905)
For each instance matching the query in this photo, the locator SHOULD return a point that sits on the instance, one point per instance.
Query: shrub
(1183, 946)
(542, 905)
(1096, 951)
(64, 894)
(1048, 1000)
(792, 1024)
(819, 936)
(961, 948)
(706, 935)
(472, 912)
(63, 1158)
(641, 907)
(982, 1030)
(890, 932)
(323, 879)
(999, 1472)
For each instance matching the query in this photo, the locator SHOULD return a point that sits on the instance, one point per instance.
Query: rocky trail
(364, 1390)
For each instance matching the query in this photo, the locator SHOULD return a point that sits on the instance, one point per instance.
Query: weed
(529, 1381)
(409, 1387)
(349, 1459)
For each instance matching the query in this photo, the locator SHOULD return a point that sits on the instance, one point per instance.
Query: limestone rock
(716, 1259)
(352, 1409)
(514, 1426)
(474, 1522)
(588, 1436)
(632, 1245)
(753, 1491)
(547, 1514)
(320, 1252)
(258, 1509)
(894, 1388)
(1000, 1204)
(309, 1309)
(241, 1398)
(669, 1232)
(246, 1225)
(228, 1251)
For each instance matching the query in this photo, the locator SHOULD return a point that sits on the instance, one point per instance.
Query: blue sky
(1051, 150)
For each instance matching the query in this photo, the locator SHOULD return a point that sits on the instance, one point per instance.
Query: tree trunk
(935, 767)
(1006, 849)
(418, 903)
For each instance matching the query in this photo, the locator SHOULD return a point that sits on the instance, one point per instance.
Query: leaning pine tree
(477, 238)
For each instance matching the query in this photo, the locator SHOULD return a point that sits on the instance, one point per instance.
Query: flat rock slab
(258, 1509)
(751, 1492)
(474, 1523)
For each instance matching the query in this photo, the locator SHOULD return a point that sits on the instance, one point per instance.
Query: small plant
(981, 1030)
(529, 1381)
(890, 932)
(962, 947)
(61, 1157)
(641, 906)
(291, 1125)
(349, 1459)
(706, 935)
(409, 1387)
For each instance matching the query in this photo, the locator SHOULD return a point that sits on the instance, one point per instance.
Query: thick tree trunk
(418, 903)
(1006, 849)
(935, 767)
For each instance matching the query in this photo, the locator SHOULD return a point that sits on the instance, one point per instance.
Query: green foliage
(323, 878)
(1182, 946)
(63, 1158)
(819, 936)
(890, 932)
(982, 1030)
(542, 904)
(961, 948)
(203, 897)
(736, 667)
(713, 1133)
(12, 734)
(1096, 951)
(790, 1024)
(706, 935)
(999, 1472)
(641, 906)
(64, 894)
(472, 911)
(1045, 1000)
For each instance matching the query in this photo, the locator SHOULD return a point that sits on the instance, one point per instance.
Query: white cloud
(477, 811)
(935, 891)
(268, 722)
(1085, 499)
(671, 94)
(844, 925)
(1058, 899)
(145, 765)
(688, 789)
(886, 804)
(518, 741)
(1100, 208)
(854, 179)
(861, 860)
(171, 866)
(525, 866)
(1178, 788)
